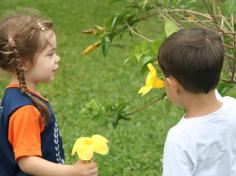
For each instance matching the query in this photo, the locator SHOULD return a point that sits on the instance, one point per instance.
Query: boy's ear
(173, 83)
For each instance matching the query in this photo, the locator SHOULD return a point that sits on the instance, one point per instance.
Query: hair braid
(20, 72)
(21, 38)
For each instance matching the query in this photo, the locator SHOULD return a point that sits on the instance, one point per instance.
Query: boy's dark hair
(194, 57)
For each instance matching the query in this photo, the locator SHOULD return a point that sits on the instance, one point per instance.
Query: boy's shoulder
(178, 133)
(229, 107)
(189, 128)
(229, 100)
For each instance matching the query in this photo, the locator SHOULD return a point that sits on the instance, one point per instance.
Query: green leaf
(148, 59)
(138, 56)
(155, 46)
(170, 27)
(224, 88)
(140, 50)
(116, 20)
(106, 41)
(114, 1)
(144, 3)
(230, 6)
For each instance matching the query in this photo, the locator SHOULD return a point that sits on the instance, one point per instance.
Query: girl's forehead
(51, 39)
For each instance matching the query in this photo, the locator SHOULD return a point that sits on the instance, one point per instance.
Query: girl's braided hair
(21, 38)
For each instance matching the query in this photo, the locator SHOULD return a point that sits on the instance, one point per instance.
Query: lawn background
(136, 146)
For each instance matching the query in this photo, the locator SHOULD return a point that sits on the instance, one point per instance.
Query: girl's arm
(34, 165)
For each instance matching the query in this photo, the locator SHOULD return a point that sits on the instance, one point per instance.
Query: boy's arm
(40, 167)
(175, 160)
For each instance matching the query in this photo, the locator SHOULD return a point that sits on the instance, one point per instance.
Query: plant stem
(146, 105)
(138, 34)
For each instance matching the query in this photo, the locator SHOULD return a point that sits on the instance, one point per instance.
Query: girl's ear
(27, 65)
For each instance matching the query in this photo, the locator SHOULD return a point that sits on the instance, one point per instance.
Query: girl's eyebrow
(52, 49)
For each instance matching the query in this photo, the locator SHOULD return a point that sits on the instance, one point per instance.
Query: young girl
(30, 139)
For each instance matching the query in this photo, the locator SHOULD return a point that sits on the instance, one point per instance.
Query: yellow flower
(152, 81)
(190, 18)
(86, 146)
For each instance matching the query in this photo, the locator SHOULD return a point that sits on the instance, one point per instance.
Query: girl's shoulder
(14, 96)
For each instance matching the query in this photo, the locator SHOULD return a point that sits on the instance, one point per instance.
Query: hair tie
(41, 26)
(11, 41)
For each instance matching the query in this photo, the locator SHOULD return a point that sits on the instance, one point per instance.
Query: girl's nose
(57, 58)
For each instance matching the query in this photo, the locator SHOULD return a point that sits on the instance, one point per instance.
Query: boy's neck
(201, 104)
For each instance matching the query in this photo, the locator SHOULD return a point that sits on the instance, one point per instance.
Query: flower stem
(146, 105)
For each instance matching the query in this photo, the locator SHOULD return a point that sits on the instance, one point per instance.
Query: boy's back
(203, 143)
(203, 146)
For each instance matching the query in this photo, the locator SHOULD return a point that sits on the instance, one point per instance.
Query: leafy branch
(175, 12)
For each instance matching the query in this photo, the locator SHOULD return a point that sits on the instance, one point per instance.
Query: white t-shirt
(203, 146)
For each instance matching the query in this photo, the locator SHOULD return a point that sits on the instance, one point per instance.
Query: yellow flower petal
(158, 83)
(74, 149)
(100, 138)
(150, 80)
(85, 152)
(86, 146)
(82, 142)
(100, 144)
(144, 90)
(190, 18)
(100, 148)
(151, 68)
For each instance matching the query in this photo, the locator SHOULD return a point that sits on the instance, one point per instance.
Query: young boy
(203, 143)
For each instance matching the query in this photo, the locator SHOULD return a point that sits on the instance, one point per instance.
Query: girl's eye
(50, 54)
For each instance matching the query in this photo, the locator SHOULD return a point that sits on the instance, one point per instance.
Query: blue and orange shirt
(21, 133)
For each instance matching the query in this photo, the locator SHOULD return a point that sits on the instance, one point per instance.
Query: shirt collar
(29, 89)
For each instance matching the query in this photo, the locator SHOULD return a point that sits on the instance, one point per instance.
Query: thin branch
(137, 33)
(146, 105)
(228, 46)
(192, 12)
(234, 62)
(229, 81)
(229, 56)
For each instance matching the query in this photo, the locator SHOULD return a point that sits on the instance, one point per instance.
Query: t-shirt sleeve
(24, 132)
(175, 160)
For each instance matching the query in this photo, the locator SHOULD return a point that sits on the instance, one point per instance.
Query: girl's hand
(81, 168)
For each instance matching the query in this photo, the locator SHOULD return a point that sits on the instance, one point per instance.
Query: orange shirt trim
(29, 89)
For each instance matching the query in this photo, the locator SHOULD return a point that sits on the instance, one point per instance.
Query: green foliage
(90, 83)
(170, 27)
(145, 53)
(224, 88)
(106, 41)
(229, 7)
(112, 111)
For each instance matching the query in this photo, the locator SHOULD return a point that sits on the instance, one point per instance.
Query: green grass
(136, 146)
